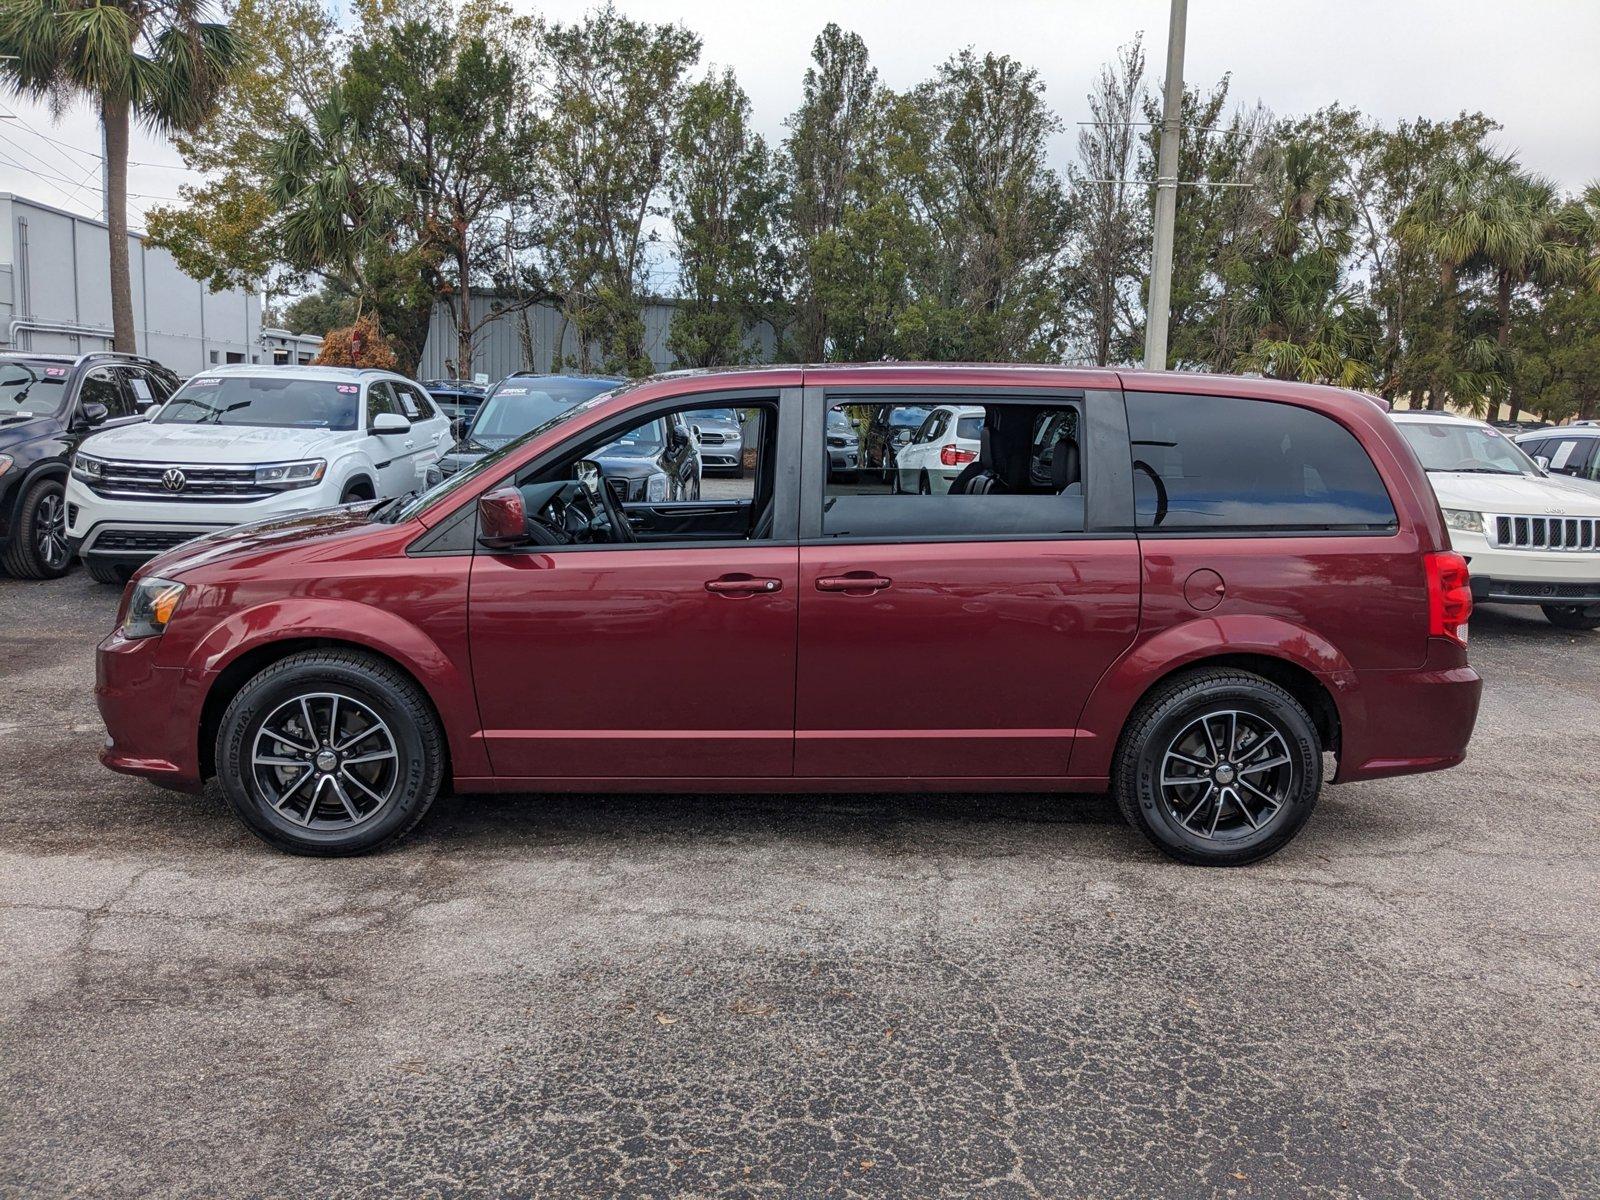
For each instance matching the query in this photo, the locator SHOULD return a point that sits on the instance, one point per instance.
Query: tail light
(953, 455)
(1449, 595)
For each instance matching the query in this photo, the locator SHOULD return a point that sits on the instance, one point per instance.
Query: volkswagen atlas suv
(48, 404)
(1528, 537)
(1183, 589)
(240, 443)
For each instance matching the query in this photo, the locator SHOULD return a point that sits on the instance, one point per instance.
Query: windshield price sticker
(55, 372)
(513, 391)
(349, 389)
(204, 382)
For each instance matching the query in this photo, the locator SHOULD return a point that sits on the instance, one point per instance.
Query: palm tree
(159, 62)
(1465, 217)
(1580, 220)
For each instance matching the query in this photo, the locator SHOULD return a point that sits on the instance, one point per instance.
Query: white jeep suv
(1528, 537)
(242, 443)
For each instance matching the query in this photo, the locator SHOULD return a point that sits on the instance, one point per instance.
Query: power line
(98, 158)
(43, 169)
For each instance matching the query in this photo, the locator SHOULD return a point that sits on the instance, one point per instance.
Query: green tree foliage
(724, 192)
(163, 65)
(609, 97)
(995, 216)
(841, 224)
(1557, 341)
(220, 233)
(1110, 235)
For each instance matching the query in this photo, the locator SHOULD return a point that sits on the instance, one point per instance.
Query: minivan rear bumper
(1406, 722)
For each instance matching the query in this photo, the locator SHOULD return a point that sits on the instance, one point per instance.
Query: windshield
(406, 507)
(643, 442)
(1475, 449)
(713, 414)
(30, 388)
(519, 405)
(908, 416)
(270, 401)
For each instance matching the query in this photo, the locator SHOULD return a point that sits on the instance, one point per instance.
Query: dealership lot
(686, 996)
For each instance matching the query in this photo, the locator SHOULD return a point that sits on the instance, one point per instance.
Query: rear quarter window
(1219, 464)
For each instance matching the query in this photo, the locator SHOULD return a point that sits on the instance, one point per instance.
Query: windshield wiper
(1471, 471)
(396, 502)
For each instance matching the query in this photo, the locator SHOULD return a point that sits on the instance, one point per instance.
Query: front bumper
(151, 713)
(137, 531)
(1506, 576)
(727, 456)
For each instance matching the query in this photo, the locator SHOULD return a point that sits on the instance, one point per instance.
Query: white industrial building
(55, 296)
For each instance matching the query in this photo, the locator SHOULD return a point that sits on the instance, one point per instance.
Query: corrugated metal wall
(55, 294)
(502, 345)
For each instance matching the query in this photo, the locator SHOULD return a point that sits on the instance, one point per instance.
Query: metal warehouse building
(528, 339)
(55, 296)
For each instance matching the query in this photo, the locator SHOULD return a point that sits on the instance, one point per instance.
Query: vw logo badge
(172, 479)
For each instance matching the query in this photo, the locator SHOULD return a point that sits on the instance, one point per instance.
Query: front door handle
(853, 583)
(743, 585)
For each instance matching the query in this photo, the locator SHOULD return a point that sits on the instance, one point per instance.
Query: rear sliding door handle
(743, 585)
(853, 583)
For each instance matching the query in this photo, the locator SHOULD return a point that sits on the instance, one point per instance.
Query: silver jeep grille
(1545, 533)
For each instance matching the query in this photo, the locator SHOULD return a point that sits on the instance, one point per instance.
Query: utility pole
(1159, 309)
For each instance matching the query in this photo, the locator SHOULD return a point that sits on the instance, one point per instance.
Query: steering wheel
(1161, 489)
(620, 529)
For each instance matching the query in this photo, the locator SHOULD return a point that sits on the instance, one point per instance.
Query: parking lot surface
(810, 996)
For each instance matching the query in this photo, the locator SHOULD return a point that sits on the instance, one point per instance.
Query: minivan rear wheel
(1573, 616)
(1218, 768)
(330, 752)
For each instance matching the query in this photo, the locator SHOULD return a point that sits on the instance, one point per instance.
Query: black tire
(355, 493)
(1242, 831)
(105, 570)
(924, 485)
(38, 547)
(1572, 616)
(366, 682)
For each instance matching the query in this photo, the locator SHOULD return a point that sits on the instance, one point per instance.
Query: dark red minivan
(1185, 588)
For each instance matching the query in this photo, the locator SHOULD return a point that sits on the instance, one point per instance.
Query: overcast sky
(1530, 65)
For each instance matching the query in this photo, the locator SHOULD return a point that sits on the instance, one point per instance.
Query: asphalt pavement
(691, 996)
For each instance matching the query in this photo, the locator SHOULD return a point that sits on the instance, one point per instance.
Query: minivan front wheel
(1218, 768)
(330, 752)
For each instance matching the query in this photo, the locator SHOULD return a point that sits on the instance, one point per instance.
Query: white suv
(241, 443)
(1528, 537)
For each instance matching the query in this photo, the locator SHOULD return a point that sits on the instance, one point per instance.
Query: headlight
(90, 470)
(1464, 519)
(5, 463)
(283, 476)
(656, 489)
(151, 606)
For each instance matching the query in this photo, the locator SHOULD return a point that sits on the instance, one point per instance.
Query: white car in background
(944, 444)
(241, 443)
(1572, 451)
(1528, 537)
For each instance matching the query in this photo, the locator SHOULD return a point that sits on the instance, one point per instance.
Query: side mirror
(95, 414)
(458, 429)
(695, 429)
(902, 436)
(502, 518)
(390, 423)
(1542, 463)
(588, 473)
(154, 411)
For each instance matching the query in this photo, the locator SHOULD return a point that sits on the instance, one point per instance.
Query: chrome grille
(144, 481)
(1546, 533)
(711, 439)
